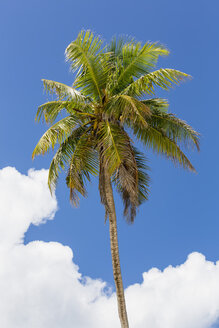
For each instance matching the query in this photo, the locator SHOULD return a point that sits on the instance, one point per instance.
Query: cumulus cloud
(186, 296)
(41, 287)
(23, 200)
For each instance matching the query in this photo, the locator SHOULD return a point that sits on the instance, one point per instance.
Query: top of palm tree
(112, 96)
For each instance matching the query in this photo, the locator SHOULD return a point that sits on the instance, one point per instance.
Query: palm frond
(63, 91)
(159, 142)
(63, 156)
(137, 61)
(175, 129)
(143, 176)
(156, 103)
(84, 161)
(84, 55)
(126, 181)
(114, 144)
(164, 78)
(115, 48)
(126, 109)
(116, 157)
(55, 134)
(132, 182)
(78, 52)
(102, 183)
(116, 45)
(50, 110)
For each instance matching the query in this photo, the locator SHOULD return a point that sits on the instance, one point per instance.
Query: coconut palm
(105, 112)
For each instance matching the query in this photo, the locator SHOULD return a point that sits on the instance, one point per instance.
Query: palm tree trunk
(115, 252)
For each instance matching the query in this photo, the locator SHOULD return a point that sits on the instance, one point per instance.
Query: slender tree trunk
(115, 252)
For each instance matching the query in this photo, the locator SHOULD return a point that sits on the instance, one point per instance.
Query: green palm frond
(55, 134)
(126, 109)
(163, 78)
(160, 143)
(115, 48)
(63, 91)
(137, 61)
(116, 157)
(50, 110)
(116, 45)
(157, 103)
(84, 55)
(84, 161)
(114, 144)
(175, 129)
(143, 176)
(79, 51)
(63, 156)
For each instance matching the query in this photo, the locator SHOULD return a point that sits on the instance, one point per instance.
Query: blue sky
(182, 213)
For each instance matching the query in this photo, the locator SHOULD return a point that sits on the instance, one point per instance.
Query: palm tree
(104, 113)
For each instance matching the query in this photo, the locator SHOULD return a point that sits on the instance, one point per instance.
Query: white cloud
(186, 296)
(23, 200)
(41, 287)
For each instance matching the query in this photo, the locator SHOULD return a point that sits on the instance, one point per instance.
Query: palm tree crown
(106, 111)
(103, 105)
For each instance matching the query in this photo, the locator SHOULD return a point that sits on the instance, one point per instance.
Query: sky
(171, 251)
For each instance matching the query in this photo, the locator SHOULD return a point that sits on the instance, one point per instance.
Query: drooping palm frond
(114, 144)
(163, 78)
(84, 55)
(113, 148)
(129, 173)
(57, 133)
(156, 139)
(63, 156)
(126, 180)
(84, 161)
(175, 129)
(132, 182)
(116, 157)
(143, 176)
(102, 182)
(137, 61)
(157, 103)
